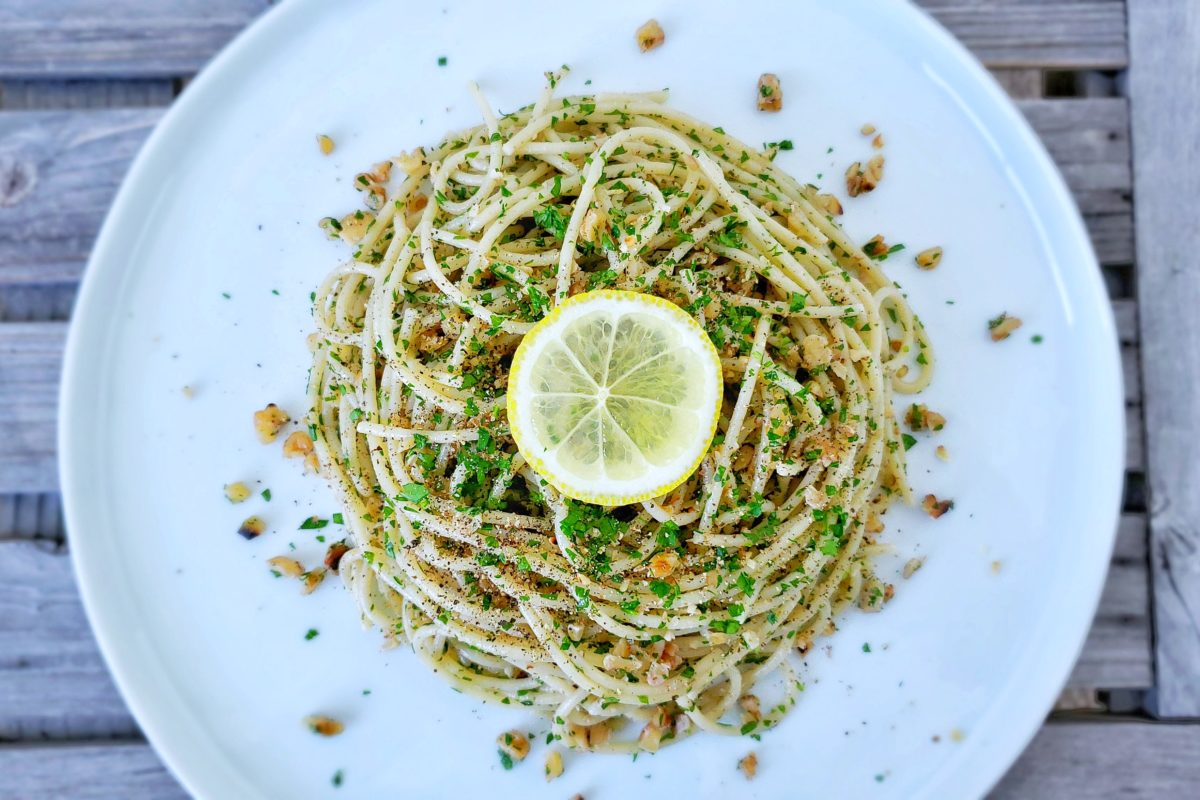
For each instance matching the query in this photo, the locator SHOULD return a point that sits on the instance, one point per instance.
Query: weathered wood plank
(31, 516)
(1164, 82)
(1106, 761)
(1117, 653)
(142, 38)
(53, 681)
(41, 95)
(30, 362)
(58, 173)
(1037, 33)
(126, 38)
(94, 771)
(59, 170)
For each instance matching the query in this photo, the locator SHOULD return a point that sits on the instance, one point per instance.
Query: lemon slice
(614, 396)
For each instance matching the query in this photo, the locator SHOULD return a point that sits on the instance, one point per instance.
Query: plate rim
(169, 733)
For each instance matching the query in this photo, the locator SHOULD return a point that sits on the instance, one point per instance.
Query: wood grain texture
(1165, 84)
(1119, 760)
(31, 516)
(18, 95)
(59, 171)
(30, 362)
(144, 38)
(53, 682)
(1116, 654)
(117, 38)
(1037, 33)
(93, 771)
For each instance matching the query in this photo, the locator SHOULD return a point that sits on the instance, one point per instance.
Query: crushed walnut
(513, 744)
(554, 765)
(860, 179)
(661, 727)
(1002, 327)
(325, 726)
(770, 93)
(930, 258)
(829, 204)
(815, 351)
(878, 248)
(934, 507)
(749, 766)
(333, 556)
(353, 227)
(918, 417)
(269, 421)
(867, 129)
(311, 580)
(252, 528)
(664, 563)
(325, 143)
(877, 142)
(650, 35)
(237, 492)
(300, 445)
(588, 736)
(286, 566)
(750, 705)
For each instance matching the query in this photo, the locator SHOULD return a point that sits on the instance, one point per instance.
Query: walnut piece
(650, 35)
(237, 492)
(269, 421)
(770, 93)
(918, 417)
(286, 566)
(325, 726)
(928, 259)
(860, 179)
(663, 564)
(749, 766)
(554, 764)
(514, 744)
(1002, 327)
(252, 528)
(934, 507)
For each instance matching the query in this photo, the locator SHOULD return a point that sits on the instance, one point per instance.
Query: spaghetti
(633, 626)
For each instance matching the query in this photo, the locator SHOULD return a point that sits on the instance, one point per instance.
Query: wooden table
(1112, 86)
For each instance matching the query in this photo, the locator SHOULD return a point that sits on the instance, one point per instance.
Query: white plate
(210, 651)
